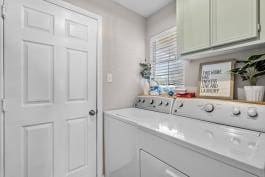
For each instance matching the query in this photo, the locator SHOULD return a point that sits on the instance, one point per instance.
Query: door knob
(92, 112)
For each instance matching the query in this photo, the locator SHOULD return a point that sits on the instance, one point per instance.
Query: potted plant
(146, 75)
(251, 70)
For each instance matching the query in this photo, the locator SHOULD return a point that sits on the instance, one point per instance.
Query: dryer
(185, 137)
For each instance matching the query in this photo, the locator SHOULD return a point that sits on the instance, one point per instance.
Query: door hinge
(259, 28)
(3, 105)
(3, 10)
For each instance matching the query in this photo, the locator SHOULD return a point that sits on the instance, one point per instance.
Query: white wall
(123, 50)
(165, 19)
(159, 22)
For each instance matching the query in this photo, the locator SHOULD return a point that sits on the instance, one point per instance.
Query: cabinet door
(195, 24)
(234, 20)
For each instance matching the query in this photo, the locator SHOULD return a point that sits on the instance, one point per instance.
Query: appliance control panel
(243, 115)
(154, 103)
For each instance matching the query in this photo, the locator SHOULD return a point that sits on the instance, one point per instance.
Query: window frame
(151, 48)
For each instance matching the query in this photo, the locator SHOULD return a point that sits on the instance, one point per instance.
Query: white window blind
(167, 69)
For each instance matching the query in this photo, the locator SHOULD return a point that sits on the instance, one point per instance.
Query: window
(167, 69)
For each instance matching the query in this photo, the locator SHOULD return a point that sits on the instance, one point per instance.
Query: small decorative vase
(145, 86)
(254, 93)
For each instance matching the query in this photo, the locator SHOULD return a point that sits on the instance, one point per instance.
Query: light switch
(109, 77)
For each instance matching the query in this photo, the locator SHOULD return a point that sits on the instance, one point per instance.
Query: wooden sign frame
(231, 63)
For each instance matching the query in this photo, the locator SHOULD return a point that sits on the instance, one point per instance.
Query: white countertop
(238, 147)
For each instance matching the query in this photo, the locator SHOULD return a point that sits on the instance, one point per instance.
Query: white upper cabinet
(195, 24)
(234, 20)
(209, 27)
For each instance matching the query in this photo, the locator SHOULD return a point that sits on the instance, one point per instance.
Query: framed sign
(216, 81)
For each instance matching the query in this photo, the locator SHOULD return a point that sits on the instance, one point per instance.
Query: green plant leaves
(146, 70)
(254, 57)
(258, 74)
(252, 69)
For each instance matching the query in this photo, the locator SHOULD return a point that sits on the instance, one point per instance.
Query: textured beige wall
(159, 22)
(123, 49)
(165, 19)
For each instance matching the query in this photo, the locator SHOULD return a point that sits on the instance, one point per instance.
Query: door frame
(99, 128)
(1, 89)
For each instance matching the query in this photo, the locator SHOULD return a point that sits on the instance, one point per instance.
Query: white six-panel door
(50, 87)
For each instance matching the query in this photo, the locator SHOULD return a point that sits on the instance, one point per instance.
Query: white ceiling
(144, 7)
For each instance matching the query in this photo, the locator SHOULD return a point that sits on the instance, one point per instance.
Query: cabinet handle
(171, 174)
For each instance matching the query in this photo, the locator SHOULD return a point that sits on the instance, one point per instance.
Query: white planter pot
(254, 93)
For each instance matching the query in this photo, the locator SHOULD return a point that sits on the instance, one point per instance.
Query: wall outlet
(109, 77)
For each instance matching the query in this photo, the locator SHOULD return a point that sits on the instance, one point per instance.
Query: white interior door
(50, 87)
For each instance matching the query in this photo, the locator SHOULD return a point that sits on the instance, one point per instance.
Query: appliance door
(181, 159)
(153, 167)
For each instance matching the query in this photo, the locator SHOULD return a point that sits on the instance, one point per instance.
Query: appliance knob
(143, 101)
(152, 101)
(181, 105)
(167, 103)
(161, 103)
(139, 100)
(209, 108)
(236, 111)
(252, 112)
